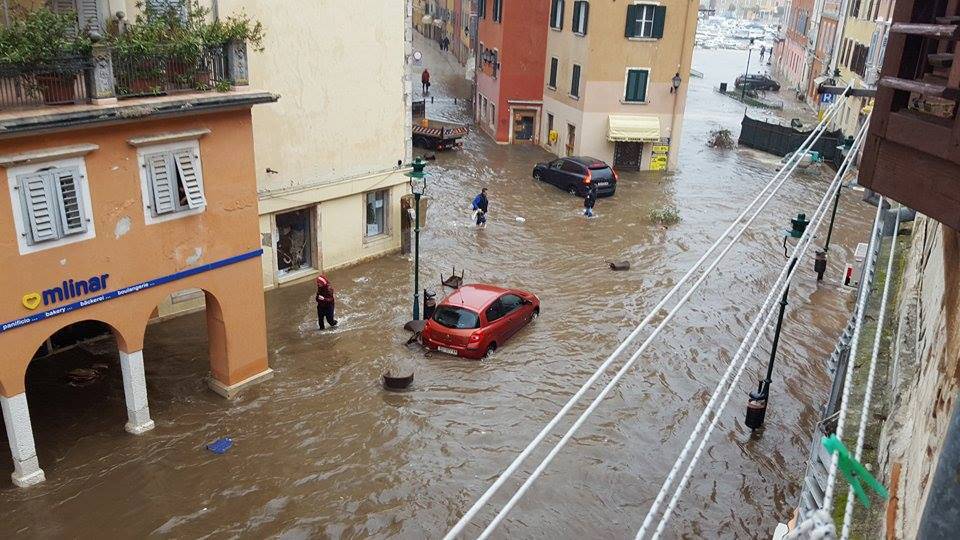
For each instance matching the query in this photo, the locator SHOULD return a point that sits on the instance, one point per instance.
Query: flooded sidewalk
(321, 450)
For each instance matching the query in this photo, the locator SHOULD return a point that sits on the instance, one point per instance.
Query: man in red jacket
(425, 81)
(325, 302)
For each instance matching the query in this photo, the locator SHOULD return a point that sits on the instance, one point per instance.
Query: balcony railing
(107, 75)
(157, 74)
(55, 83)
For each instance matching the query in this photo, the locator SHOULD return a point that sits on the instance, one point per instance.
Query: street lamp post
(743, 88)
(418, 185)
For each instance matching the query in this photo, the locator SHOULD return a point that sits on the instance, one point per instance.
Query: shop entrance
(524, 122)
(295, 242)
(626, 155)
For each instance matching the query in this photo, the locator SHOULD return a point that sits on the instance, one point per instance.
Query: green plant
(665, 215)
(40, 36)
(235, 28)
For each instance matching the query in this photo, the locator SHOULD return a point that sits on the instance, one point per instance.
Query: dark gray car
(576, 174)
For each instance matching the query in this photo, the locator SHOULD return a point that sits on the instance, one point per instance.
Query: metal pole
(833, 216)
(765, 388)
(743, 89)
(416, 259)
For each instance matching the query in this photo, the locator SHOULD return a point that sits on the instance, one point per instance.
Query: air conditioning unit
(854, 272)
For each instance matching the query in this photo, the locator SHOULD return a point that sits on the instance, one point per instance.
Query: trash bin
(723, 88)
(429, 304)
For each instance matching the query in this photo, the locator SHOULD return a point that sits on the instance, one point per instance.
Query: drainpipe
(838, 39)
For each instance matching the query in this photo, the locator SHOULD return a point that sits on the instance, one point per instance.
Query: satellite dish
(417, 56)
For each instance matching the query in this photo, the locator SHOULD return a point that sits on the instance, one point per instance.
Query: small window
(554, 66)
(509, 302)
(645, 21)
(556, 14)
(482, 8)
(174, 181)
(497, 10)
(581, 11)
(575, 81)
(493, 116)
(549, 123)
(495, 311)
(53, 206)
(571, 167)
(636, 90)
(377, 213)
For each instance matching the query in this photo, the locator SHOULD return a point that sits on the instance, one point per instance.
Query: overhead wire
(782, 175)
(780, 285)
(868, 395)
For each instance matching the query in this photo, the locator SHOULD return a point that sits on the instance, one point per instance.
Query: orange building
(109, 208)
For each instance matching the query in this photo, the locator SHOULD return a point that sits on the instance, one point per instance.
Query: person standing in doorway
(480, 206)
(425, 81)
(325, 302)
(589, 201)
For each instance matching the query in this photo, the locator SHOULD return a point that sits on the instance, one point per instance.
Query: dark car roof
(587, 161)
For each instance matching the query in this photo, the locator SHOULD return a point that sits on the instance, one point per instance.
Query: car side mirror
(526, 302)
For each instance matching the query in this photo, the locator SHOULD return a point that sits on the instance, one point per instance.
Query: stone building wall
(925, 372)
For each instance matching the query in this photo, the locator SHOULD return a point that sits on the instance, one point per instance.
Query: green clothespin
(853, 470)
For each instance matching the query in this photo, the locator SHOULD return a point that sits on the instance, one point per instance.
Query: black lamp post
(676, 80)
(743, 89)
(418, 185)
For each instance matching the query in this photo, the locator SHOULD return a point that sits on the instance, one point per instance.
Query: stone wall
(925, 372)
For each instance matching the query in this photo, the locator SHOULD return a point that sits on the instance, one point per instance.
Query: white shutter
(73, 219)
(39, 207)
(88, 15)
(188, 168)
(158, 174)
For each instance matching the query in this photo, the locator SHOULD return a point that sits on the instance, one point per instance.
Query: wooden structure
(912, 152)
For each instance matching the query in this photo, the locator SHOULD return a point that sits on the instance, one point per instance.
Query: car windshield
(456, 317)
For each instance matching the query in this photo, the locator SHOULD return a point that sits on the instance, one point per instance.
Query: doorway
(524, 122)
(626, 155)
(294, 242)
(571, 139)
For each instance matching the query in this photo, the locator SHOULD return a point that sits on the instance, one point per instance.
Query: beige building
(609, 83)
(327, 156)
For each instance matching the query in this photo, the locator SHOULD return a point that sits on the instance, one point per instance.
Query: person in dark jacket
(325, 302)
(480, 206)
(589, 201)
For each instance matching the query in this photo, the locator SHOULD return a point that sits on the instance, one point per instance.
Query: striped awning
(630, 128)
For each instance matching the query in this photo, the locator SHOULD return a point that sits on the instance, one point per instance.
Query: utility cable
(785, 172)
(779, 287)
(865, 285)
(848, 511)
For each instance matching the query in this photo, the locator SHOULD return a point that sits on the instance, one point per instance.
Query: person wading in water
(589, 201)
(325, 302)
(479, 207)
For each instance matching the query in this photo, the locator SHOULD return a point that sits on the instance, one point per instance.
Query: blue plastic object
(220, 446)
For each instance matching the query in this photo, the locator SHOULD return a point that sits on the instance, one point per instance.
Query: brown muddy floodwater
(322, 451)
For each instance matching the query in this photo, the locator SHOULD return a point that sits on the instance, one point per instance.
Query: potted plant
(45, 47)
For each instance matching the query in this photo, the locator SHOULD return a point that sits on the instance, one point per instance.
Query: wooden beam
(923, 88)
(940, 31)
(854, 92)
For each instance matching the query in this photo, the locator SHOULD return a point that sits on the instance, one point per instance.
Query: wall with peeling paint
(132, 251)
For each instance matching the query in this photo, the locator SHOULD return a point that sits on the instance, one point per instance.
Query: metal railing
(139, 75)
(55, 83)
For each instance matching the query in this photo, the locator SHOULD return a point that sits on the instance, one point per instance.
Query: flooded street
(322, 451)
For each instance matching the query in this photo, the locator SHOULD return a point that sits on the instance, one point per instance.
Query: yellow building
(609, 84)
(858, 56)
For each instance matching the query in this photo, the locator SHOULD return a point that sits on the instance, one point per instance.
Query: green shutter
(553, 12)
(631, 86)
(586, 17)
(642, 77)
(576, 16)
(553, 72)
(631, 28)
(561, 2)
(575, 82)
(659, 19)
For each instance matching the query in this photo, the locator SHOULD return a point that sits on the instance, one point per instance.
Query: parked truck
(434, 134)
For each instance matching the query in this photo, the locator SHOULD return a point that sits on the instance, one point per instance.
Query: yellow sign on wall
(658, 162)
(661, 149)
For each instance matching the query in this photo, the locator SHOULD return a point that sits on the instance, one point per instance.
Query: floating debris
(721, 138)
(80, 377)
(619, 266)
(220, 446)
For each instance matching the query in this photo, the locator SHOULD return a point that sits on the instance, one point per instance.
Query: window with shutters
(556, 14)
(89, 13)
(636, 85)
(645, 21)
(482, 9)
(554, 66)
(497, 10)
(581, 12)
(51, 204)
(171, 181)
(575, 81)
(156, 8)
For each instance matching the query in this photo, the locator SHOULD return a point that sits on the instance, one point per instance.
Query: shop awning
(625, 128)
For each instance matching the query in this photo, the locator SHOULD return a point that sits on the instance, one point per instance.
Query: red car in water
(476, 319)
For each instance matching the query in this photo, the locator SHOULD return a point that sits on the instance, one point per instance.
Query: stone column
(101, 83)
(135, 393)
(237, 70)
(16, 417)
